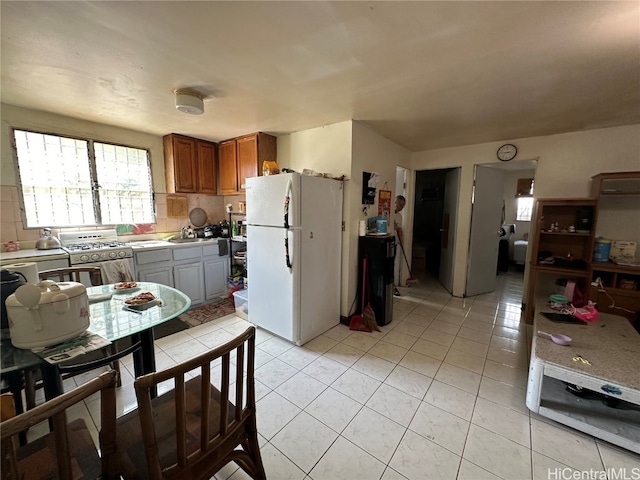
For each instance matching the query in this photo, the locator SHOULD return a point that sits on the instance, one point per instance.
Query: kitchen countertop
(32, 255)
(156, 244)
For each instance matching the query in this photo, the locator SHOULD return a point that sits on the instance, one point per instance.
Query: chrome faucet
(183, 232)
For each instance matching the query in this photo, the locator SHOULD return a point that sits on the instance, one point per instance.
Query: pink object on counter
(11, 246)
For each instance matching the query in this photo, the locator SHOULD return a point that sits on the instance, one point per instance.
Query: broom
(411, 278)
(367, 312)
(358, 321)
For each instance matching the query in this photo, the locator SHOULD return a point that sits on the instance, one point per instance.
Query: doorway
(497, 223)
(434, 223)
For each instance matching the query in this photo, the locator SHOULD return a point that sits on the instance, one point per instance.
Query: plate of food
(142, 300)
(125, 287)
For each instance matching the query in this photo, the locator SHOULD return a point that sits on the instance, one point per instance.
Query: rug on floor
(206, 313)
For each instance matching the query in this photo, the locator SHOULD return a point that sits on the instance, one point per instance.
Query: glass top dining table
(113, 320)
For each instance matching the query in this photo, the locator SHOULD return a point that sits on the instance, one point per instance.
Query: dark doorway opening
(428, 220)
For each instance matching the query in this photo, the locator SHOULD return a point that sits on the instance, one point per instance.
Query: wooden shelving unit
(618, 195)
(569, 251)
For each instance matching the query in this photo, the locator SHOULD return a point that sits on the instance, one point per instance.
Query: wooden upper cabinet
(189, 164)
(207, 171)
(228, 167)
(252, 151)
(241, 158)
(180, 163)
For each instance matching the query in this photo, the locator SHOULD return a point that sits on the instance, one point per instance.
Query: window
(75, 182)
(525, 206)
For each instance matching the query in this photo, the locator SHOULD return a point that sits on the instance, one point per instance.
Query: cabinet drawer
(187, 253)
(153, 256)
(210, 250)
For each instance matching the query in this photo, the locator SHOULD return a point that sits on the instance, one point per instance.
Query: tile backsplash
(11, 227)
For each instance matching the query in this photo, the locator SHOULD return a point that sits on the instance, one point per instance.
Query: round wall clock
(507, 152)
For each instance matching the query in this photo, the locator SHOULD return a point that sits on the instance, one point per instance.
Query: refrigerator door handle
(286, 250)
(287, 199)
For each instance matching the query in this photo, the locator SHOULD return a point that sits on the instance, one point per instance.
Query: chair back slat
(239, 383)
(251, 392)
(193, 430)
(181, 420)
(205, 400)
(63, 452)
(107, 434)
(224, 394)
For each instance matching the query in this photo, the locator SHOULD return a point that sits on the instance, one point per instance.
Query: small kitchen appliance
(56, 313)
(47, 241)
(9, 282)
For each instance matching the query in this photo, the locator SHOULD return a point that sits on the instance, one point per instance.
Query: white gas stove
(94, 246)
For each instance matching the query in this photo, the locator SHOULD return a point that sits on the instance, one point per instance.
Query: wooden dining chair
(73, 274)
(193, 430)
(68, 451)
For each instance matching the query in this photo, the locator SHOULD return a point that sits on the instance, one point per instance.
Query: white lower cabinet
(196, 270)
(188, 278)
(154, 266)
(160, 275)
(215, 277)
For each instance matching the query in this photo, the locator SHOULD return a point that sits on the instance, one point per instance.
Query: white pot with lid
(47, 313)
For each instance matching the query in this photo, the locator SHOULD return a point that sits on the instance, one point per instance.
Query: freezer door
(274, 293)
(266, 199)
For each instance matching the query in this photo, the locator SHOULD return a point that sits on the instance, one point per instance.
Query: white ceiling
(423, 74)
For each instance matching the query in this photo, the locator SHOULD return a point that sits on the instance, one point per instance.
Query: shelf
(614, 268)
(606, 193)
(566, 234)
(581, 272)
(590, 415)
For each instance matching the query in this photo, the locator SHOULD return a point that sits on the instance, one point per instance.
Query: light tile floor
(437, 394)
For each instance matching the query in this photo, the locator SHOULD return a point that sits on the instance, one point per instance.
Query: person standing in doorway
(397, 226)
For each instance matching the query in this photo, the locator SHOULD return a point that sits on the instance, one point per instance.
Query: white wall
(345, 148)
(372, 153)
(566, 163)
(22, 118)
(328, 150)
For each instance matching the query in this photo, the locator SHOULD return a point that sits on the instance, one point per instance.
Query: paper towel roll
(362, 228)
(28, 269)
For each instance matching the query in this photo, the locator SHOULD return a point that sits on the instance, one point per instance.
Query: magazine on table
(64, 351)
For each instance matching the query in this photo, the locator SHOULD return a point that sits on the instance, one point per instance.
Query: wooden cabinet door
(228, 167)
(247, 159)
(184, 164)
(207, 177)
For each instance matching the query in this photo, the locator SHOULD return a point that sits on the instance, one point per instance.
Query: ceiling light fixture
(189, 101)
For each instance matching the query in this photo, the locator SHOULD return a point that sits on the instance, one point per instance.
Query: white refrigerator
(294, 250)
